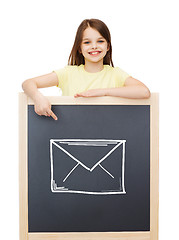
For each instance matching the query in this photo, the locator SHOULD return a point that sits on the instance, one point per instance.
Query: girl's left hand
(91, 93)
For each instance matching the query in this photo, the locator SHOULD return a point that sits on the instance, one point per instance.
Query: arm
(132, 88)
(41, 104)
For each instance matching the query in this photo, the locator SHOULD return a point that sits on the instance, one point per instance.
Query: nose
(94, 46)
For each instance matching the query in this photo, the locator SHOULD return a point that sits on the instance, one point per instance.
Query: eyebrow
(89, 38)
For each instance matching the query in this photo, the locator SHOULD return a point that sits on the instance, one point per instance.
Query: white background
(37, 37)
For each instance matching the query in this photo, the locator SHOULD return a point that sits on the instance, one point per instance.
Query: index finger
(53, 115)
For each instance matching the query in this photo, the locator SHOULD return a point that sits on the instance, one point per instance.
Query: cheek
(84, 50)
(107, 47)
(85, 47)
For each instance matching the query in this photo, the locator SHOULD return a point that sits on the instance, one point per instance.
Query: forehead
(91, 33)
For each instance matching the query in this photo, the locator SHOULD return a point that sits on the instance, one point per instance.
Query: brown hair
(76, 58)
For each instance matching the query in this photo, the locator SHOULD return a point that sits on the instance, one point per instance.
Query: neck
(93, 67)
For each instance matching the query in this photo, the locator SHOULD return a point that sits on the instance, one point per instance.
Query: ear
(108, 47)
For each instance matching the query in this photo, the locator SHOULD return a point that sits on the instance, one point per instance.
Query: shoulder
(71, 68)
(113, 69)
(118, 69)
(66, 71)
(119, 75)
(108, 68)
(67, 68)
(120, 72)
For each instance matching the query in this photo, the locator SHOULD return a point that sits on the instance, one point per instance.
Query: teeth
(94, 53)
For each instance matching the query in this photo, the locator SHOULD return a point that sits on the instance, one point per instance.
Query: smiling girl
(90, 71)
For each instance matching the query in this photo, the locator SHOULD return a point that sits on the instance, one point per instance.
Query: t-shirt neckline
(83, 68)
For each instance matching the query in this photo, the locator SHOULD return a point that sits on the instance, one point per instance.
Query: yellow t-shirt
(75, 79)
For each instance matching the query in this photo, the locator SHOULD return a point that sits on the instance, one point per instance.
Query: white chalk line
(62, 189)
(70, 173)
(102, 159)
(106, 171)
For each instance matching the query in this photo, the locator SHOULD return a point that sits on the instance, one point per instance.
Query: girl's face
(93, 47)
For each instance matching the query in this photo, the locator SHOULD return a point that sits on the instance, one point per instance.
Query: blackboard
(90, 170)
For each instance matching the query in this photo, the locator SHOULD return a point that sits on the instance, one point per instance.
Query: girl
(90, 71)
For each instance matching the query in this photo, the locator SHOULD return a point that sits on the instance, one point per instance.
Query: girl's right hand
(43, 107)
(41, 104)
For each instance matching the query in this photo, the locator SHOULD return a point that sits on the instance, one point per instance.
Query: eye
(87, 42)
(100, 41)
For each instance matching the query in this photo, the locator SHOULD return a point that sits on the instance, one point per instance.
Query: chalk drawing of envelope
(87, 166)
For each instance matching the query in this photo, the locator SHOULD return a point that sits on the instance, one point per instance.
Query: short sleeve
(62, 77)
(120, 77)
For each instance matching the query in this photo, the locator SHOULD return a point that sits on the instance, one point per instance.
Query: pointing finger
(53, 115)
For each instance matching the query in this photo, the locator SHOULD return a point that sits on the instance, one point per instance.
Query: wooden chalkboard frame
(153, 101)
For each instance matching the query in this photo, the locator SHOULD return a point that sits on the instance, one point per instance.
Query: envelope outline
(87, 142)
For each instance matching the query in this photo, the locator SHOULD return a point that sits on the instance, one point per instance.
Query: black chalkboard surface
(90, 170)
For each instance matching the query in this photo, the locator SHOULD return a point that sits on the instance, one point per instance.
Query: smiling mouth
(95, 52)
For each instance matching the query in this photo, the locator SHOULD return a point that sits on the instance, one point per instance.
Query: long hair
(76, 58)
